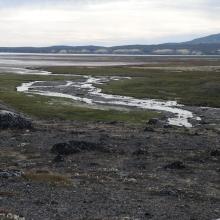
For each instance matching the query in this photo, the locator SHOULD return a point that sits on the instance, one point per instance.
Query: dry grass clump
(7, 194)
(47, 177)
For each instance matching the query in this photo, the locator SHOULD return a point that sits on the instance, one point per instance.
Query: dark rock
(215, 153)
(204, 122)
(153, 121)
(141, 166)
(64, 149)
(10, 216)
(159, 123)
(104, 138)
(93, 164)
(140, 152)
(12, 120)
(167, 126)
(74, 147)
(59, 158)
(149, 129)
(148, 215)
(113, 122)
(10, 173)
(54, 203)
(177, 165)
(39, 202)
(167, 192)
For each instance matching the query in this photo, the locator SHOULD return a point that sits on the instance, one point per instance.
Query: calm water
(25, 60)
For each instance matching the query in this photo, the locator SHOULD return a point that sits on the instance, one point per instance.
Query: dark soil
(84, 170)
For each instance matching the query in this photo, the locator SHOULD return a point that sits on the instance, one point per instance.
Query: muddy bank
(111, 171)
(86, 90)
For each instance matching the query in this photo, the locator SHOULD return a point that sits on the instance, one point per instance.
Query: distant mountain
(209, 45)
(211, 39)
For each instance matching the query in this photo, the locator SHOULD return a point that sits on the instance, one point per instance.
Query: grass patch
(189, 88)
(7, 194)
(58, 108)
(48, 177)
(197, 88)
(9, 82)
(101, 71)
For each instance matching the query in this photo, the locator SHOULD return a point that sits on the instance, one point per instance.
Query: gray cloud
(105, 22)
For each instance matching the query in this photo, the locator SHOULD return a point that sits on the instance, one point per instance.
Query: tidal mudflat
(85, 90)
(110, 142)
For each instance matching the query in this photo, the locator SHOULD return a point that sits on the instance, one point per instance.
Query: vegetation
(59, 108)
(101, 71)
(187, 87)
(48, 177)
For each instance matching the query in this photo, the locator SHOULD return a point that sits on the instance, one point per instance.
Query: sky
(105, 22)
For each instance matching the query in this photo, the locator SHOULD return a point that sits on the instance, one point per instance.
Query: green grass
(194, 88)
(58, 108)
(9, 82)
(189, 88)
(101, 71)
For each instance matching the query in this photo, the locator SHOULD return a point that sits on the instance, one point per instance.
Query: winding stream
(86, 90)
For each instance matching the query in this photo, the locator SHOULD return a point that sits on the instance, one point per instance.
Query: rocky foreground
(84, 170)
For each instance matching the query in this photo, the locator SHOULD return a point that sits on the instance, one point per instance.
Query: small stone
(10, 173)
(73, 147)
(140, 152)
(215, 153)
(59, 158)
(167, 126)
(131, 180)
(153, 121)
(149, 129)
(148, 215)
(177, 165)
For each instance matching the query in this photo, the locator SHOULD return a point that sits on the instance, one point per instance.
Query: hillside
(209, 45)
(211, 39)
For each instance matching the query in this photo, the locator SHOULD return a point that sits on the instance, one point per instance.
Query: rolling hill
(211, 39)
(209, 45)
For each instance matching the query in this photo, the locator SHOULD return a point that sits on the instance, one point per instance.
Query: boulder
(9, 216)
(153, 121)
(156, 123)
(149, 129)
(64, 149)
(167, 126)
(141, 151)
(59, 158)
(215, 153)
(12, 120)
(73, 147)
(177, 165)
(10, 173)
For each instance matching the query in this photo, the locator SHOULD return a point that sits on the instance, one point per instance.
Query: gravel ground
(115, 171)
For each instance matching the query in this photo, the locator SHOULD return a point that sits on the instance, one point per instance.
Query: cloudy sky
(105, 22)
